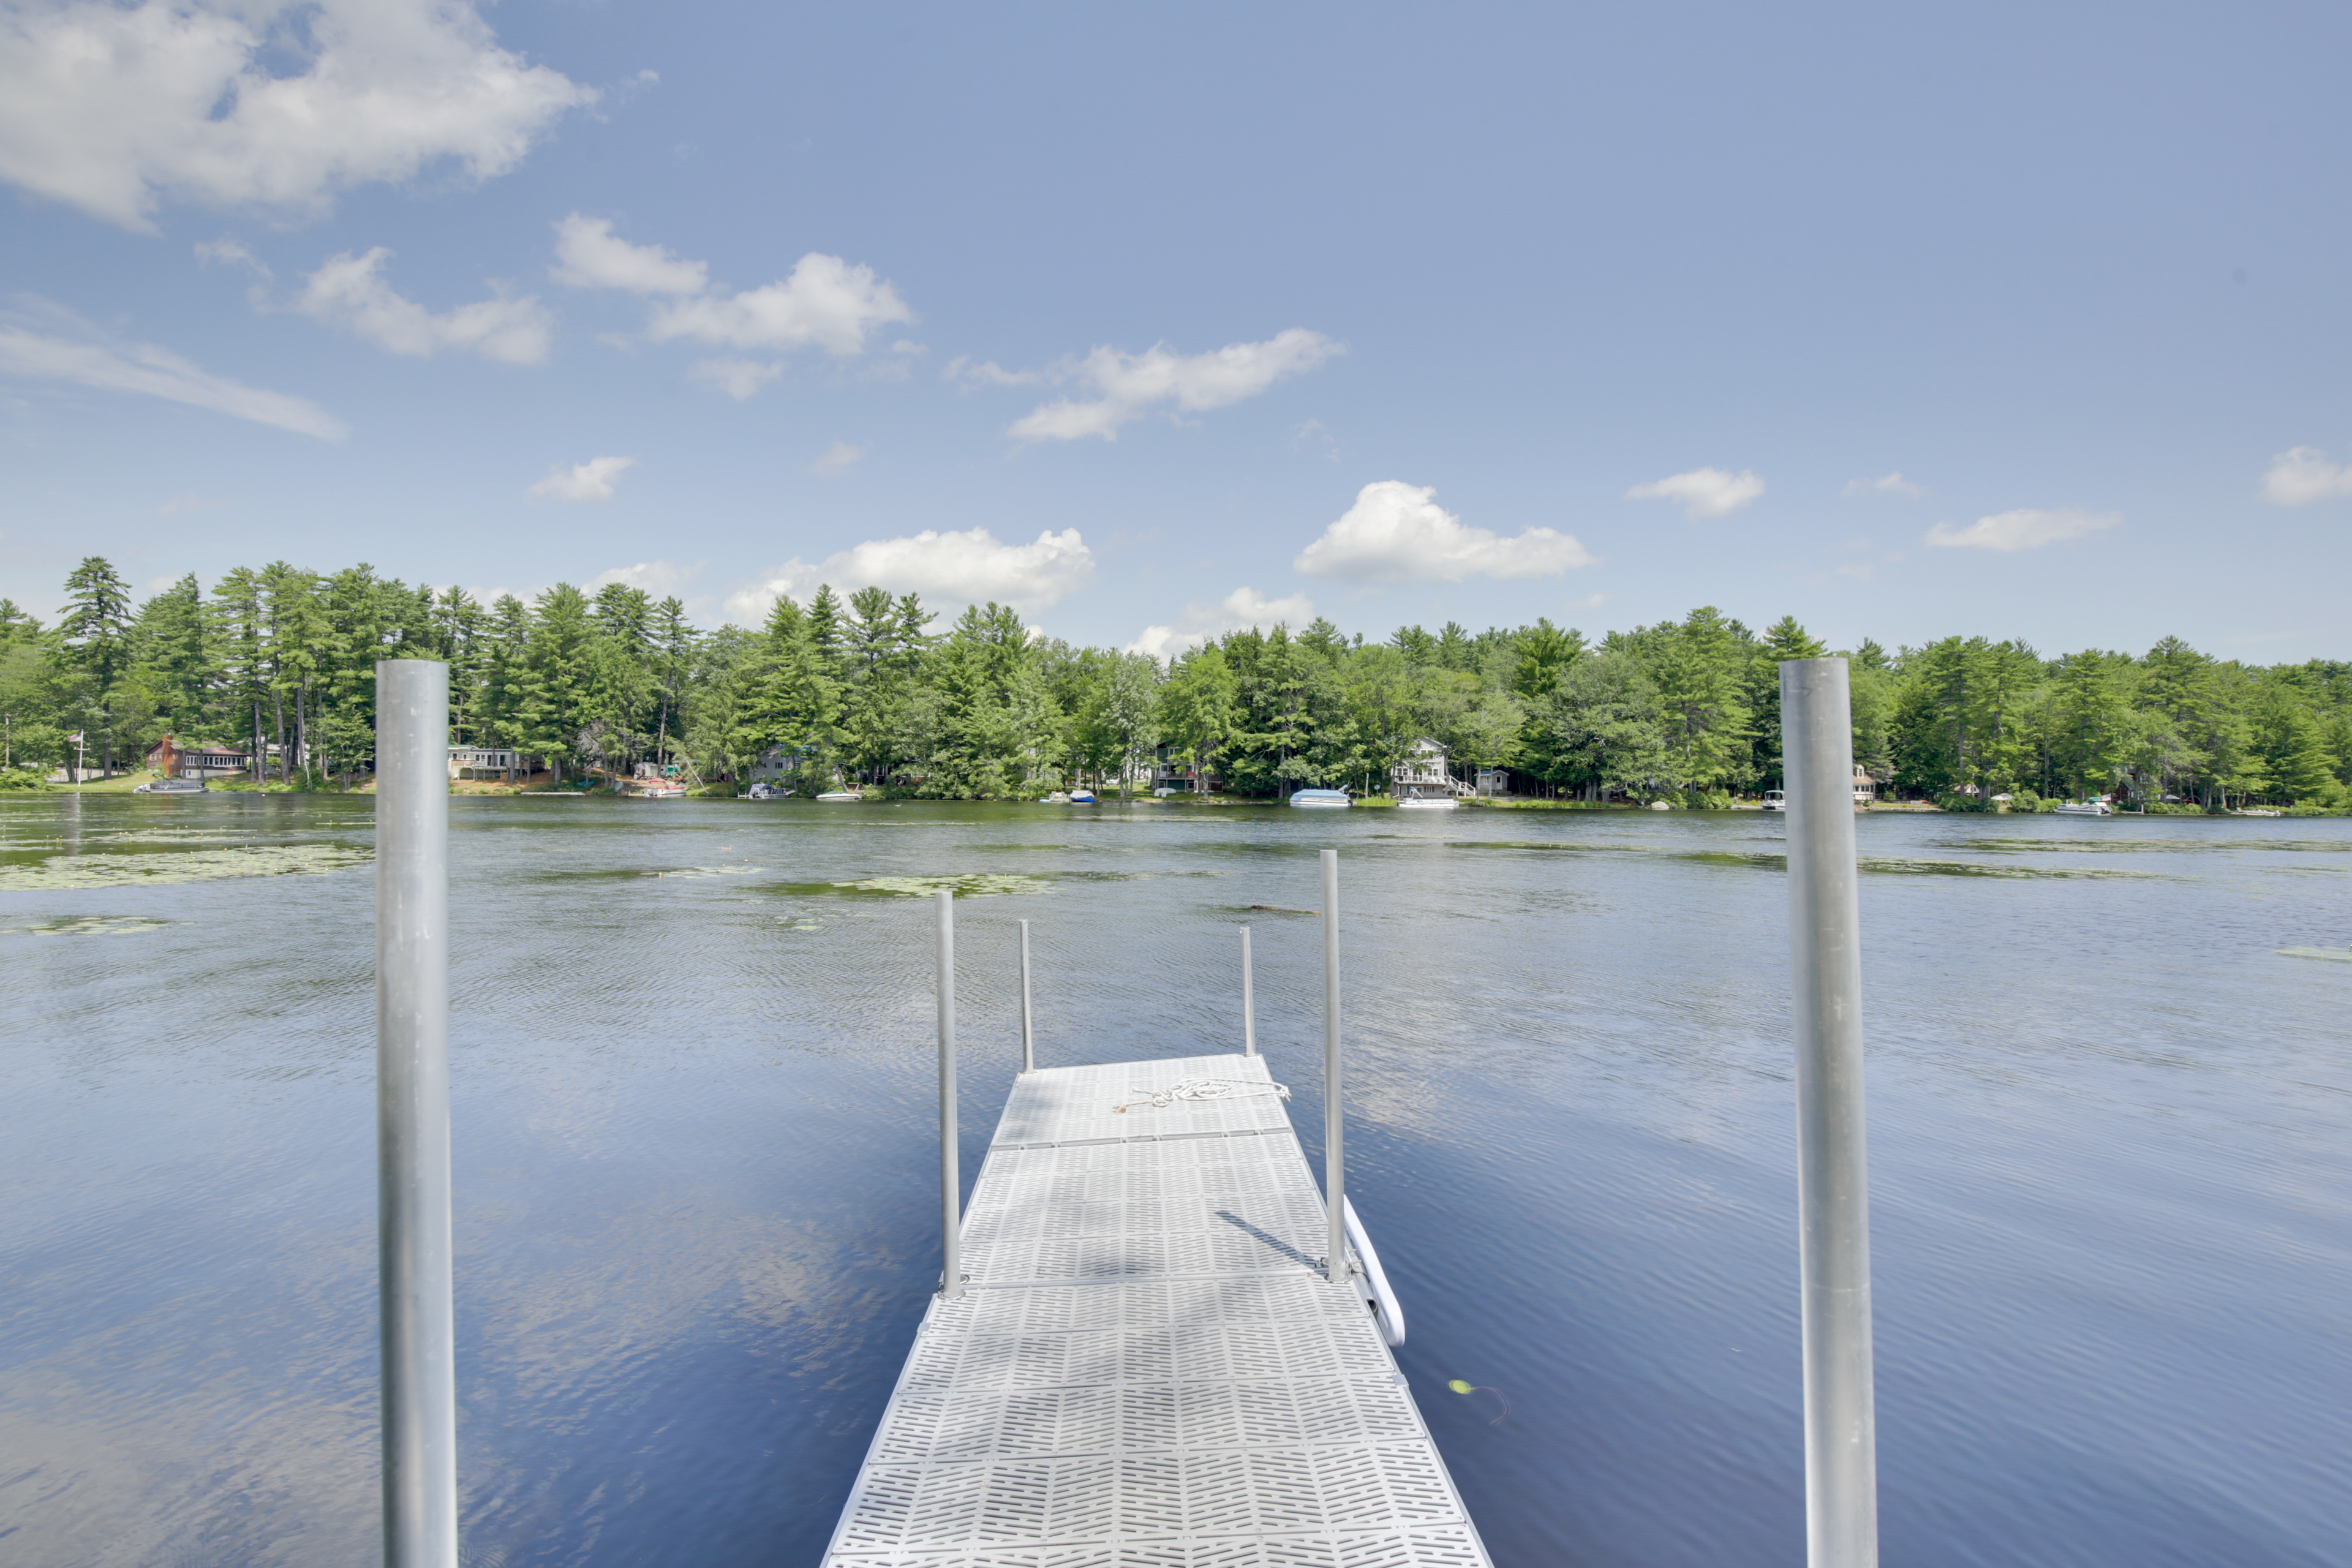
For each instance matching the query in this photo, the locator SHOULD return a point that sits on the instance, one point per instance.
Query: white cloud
(1892, 484)
(737, 378)
(1703, 492)
(588, 256)
(231, 252)
(349, 292)
(2303, 475)
(1242, 608)
(590, 481)
(826, 303)
(1397, 533)
(988, 372)
(837, 458)
(109, 108)
(949, 569)
(1125, 386)
(663, 577)
(2027, 529)
(87, 357)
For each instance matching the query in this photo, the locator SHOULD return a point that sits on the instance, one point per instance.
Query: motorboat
(1082, 797)
(840, 798)
(1776, 800)
(1425, 797)
(2083, 808)
(1320, 799)
(171, 786)
(658, 789)
(2254, 810)
(1059, 797)
(763, 790)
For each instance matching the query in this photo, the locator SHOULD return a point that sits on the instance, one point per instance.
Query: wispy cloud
(962, 568)
(350, 292)
(72, 350)
(590, 481)
(837, 458)
(1237, 611)
(827, 302)
(1703, 493)
(1397, 533)
(2026, 529)
(737, 378)
(1126, 386)
(653, 576)
(109, 108)
(2302, 475)
(589, 256)
(1892, 484)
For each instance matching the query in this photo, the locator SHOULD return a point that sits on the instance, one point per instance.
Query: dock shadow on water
(696, 1180)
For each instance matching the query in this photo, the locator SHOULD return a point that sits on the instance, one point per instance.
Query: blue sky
(2006, 319)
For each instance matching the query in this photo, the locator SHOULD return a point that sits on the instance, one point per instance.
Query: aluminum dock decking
(1145, 1365)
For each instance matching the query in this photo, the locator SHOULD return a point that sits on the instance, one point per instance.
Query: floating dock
(1147, 1364)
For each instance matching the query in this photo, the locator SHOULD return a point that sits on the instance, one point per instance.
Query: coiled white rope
(1203, 1089)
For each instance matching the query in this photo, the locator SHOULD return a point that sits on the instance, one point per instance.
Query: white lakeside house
(484, 762)
(1423, 775)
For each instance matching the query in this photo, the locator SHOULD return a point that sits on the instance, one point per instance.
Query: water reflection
(694, 1121)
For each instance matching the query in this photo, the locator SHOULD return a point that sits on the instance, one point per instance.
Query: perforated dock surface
(1146, 1366)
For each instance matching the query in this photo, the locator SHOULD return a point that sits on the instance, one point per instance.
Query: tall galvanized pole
(950, 1163)
(1028, 1036)
(1334, 1185)
(1832, 1177)
(411, 1104)
(1249, 1002)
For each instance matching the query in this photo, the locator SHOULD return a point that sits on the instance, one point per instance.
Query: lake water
(2112, 1180)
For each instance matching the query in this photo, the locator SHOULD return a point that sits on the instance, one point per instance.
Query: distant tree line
(279, 661)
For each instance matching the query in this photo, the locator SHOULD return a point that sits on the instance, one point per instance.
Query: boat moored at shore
(1320, 799)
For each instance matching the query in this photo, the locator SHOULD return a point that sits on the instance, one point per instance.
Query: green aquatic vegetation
(64, 873)
(2332, 954)
(1892, 865)
(86, 925)
(708, 871)
(2182, 846)
(973, 885)
(1536, 843)
(1907, 867)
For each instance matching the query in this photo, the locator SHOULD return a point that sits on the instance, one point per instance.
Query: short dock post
(1028, 1036)
(417, 1323)
(1833, 1176)
(1335, 1188)
(1249, 1003)
(950, 1163)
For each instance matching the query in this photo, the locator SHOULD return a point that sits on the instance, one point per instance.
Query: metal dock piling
(1148, 1365)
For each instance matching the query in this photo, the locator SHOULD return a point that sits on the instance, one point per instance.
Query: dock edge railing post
(951, 1161)
(1832, 1173)
(1249, 1000)
(1028, 1033)
(417, 1321)
(1335, 1162)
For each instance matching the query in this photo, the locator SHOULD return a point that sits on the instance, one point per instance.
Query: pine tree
(94, 637)
(182, 668)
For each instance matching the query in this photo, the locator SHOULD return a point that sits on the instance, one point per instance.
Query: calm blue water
(2112, 1176)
